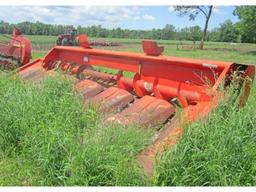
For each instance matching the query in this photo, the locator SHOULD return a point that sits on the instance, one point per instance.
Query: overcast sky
(130, 17)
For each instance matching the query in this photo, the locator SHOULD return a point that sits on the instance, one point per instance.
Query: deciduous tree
(247, 24)
(192, 12)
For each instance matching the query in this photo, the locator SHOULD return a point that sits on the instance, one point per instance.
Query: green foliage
(221, 152)
(196, 33)
(192, 12)
(46, 131)
(228, 32)
(214, 35)
(38, 28)
(106, 156)
(247, 23)
(168, 32)
(15, 171)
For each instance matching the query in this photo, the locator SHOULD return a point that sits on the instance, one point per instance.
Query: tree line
(227, 31)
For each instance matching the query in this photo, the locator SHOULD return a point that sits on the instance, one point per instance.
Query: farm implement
(71, 38)
(15, 53)
(164, 93)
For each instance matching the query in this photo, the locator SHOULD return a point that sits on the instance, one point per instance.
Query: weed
(46, 125)
(218, 153)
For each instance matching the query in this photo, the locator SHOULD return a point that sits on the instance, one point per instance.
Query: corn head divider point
(159, 88)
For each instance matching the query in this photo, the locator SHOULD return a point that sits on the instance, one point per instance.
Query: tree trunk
(205, 27)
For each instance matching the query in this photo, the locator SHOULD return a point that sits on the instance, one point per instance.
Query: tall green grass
(221, 152)
(50, 139)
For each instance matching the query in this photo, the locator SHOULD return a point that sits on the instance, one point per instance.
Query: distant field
(235, 52)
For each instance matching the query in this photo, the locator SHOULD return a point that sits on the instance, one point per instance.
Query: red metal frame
(194, 83)
(19, 48)
(189, 80)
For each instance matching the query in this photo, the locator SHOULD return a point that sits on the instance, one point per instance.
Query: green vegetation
(247, 23)
(238, 52)
(192, 12)
(221, 152)
(66, 144)
(37, 55)
(169, 32)
(48, 138)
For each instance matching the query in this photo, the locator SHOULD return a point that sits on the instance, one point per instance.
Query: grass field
(66, 144)
(241, 53)
(63, 143)
(234, 52)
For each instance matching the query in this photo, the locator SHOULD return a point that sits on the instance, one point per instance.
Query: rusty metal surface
(87, 89)
(147, 111)
(38, 74)
(104, 79)
(112, 99)
(8, 63)
(33, 74)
